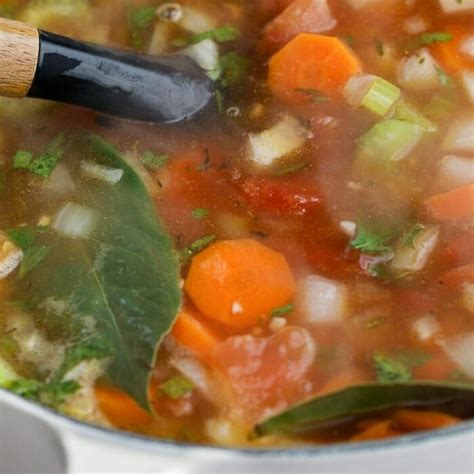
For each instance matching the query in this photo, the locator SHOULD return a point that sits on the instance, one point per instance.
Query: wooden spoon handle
(19, 50)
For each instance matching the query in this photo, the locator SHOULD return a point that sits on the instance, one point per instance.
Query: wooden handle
(19, 50)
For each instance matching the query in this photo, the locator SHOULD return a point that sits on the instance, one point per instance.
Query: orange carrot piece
(121, 410)
(195, 336)
(449, 53)
(456, 277)
(311, 62)
(382, 429)
(455, 204)
(416, 420)
(239, 282)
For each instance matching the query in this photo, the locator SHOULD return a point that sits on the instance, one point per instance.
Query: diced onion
(455, 171)
(100, 172)
(415, 25)
(195, 21)
(468, 297)
(418, 72)
(160, 38)
(269, 146)
(460, 349)
(320, 300)
(460, 138)
(349, 228)
(426, 327)
(193, 370)
(10, 256)
(60, 181)
(467, 46)
(468, 83)
(413, 256)
(356, 88)
(205, 54)
(456, 6)
(75, 221)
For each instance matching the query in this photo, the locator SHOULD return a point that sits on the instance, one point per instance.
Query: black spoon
(165, 89)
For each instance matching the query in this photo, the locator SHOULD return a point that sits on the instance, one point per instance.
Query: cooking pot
(34, 439)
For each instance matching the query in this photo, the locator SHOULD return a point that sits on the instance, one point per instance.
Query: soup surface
(295, 266)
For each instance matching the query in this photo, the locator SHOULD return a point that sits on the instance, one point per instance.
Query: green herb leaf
(361, 400)
(32, 257)
(314, 95)
(444, 79)
(200, 213)
(22, 159)
(390, 370)
(22, 237)
(427, 39)
(48, 159)
(370, 240)
(176, 387)
(282, 311)
(139, 19)
(154, 161)
(233, 68)
(196, 247)
(222, 34)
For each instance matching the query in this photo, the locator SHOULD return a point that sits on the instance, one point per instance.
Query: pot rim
(157, 445)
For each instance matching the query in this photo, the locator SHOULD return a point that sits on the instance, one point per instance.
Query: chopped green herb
(176, 387)
(48, 159)
(22, 237)
(154, 161)
(139, 19)
(410, 236)
(444, 79)
(379, 47)
(282, 311)
(316, 97)
(390, 370)
(371, 241)
(221, 35)
(200, 213)
(232, 68)
(427, 39)
(196, 247)
(32, 257)
(375, 323)
(22, 159)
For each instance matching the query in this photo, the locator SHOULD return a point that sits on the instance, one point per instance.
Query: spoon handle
(19, 51)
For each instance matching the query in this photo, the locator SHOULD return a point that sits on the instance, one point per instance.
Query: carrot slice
(449, 53)
(239, 282)
(121, 410)
(380, 430)
(311, 62)
(416, 420)
(195, 336)
(455, 204)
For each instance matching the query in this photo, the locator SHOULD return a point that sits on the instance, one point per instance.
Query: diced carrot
(416, 420)
(195, 336)
(458, 276)
(121, 410)
(382, 429)
(239, 282)
(449, 53)
(311, 62)
(455, 204)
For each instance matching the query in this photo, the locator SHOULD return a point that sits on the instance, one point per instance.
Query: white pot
(34, 439)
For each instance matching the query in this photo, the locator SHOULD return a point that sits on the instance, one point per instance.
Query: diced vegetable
(198, 374)
(205, 54)
(160, 38)
(310, 61)
(455, 171)
(460, 138)
(414, 250)
(468, 297)
(468, 83)
(269, 146)
(320, 300)
(456, 6)
(426, 327)
(60, 181)
(388, 141)
(75, 221)
(222, 280)
(389, 370)
(419, 72)
(460, 349)
(455, 204)
(10, 256)
(102, 173)
(372, 92)
(405, 111)
(195, 336)
(349, 228)
(301, 16)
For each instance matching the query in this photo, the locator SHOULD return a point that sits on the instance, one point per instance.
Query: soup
(295, 266)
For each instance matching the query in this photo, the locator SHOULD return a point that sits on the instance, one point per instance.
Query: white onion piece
(205, 54)
(100, 172)
(357, 87)
(320, 300)
(455, 171)
(60, 181)
(414, 257)
(226, 432)
(468, 83)
(418, 72)
(196, 21)
(75, 221)
(415, 25)
(460, 349)
(349, 228)
(467, 46)
(193, 370)
(468, 297)
(426, 327)
(460, 138)
(267, 147)
(10, 256)
(456, 6)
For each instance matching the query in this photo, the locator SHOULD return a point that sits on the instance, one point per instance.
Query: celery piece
(388, 141)
(380, 97)
(405, 111)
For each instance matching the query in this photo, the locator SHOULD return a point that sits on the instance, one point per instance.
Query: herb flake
(176, 387)
(390, 369)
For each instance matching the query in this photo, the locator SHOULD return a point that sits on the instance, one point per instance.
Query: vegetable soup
(295, 266)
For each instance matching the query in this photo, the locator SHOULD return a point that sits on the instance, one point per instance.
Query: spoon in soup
(164, 89)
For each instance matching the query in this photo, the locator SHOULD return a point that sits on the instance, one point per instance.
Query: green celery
(380, 97)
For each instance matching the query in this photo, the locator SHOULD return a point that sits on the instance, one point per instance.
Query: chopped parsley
(371, 240)
(389, 369)
(139, 19)
(176, 387)
(22, 237)
(154, 161)
(427, 39)
(222, 34)
(187, 252)
(375, 323)
(282, 311)
(231, 70)
(22, 159)
(200, 213)
(314, 95)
